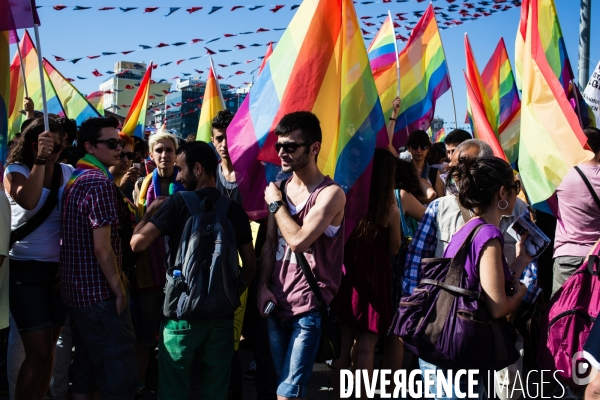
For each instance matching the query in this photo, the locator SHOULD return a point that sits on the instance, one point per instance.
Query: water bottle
(178, 280)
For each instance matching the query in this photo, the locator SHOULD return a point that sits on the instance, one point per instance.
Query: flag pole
(449, 80)
(42, 80)
(22, 69)
(397, 57)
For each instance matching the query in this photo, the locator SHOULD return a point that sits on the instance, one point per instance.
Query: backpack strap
(312, 282)
(592, 265)
(589, 186)
(38, 219)
(192, 201)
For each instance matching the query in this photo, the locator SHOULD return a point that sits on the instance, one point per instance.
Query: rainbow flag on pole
(479, 90)
(17, 92)
(502, 91)
(440, 136)
(4, 93)
(211, 104)
(96, 99)
(319, 65)
(75, 105)
(383, 58)
(552, 140)
(423, 77)
(135, 122)
(479, 120)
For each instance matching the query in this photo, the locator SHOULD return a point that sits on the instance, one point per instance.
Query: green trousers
(211, 341)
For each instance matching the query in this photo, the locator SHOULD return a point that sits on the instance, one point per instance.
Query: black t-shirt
(173, 214)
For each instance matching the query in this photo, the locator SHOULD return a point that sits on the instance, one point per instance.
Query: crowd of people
(113, 246)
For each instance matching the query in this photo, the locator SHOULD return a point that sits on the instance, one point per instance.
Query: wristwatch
(276, 205)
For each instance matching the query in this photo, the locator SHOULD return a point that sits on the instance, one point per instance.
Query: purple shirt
(488, 232)
(578, 225)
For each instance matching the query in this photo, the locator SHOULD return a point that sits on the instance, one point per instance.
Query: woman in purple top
(487, 187)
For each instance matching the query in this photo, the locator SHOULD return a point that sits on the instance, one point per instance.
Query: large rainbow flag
(96, 99)
(135, 122)
(319, 65)
(383, 57)
(502, 91)
(482, 128)
(423, 77)
(75, 105)
(17, 91)
(4, 93)
(211, 104)
(552, 140)
(479, 90)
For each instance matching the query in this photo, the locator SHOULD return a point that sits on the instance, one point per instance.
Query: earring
(505, 206)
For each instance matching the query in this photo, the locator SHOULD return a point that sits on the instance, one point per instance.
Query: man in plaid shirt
(92, 283)
(425, 241)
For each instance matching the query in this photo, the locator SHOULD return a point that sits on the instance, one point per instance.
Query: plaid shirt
(90, 203)
(424, 244)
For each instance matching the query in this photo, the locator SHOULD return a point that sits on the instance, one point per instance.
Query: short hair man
(453, 139)
(308, 218)
(210, 339)
(92, 282)
(226, 182)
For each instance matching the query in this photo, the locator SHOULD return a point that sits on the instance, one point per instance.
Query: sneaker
(251, 370)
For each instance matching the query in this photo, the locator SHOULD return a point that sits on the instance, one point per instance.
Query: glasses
(415, 146)
(516, 186)
(112, 143)
(128, 154)
(290, 148)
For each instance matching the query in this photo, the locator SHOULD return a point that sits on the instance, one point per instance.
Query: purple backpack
(568, 319)
(446, 323)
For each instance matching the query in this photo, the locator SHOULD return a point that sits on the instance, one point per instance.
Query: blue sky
(72, 34)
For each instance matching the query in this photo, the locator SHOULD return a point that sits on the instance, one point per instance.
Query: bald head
(472, 148)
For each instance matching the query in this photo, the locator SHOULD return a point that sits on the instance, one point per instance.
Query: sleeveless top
(325, 257)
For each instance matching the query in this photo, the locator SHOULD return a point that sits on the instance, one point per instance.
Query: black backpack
(208, 260)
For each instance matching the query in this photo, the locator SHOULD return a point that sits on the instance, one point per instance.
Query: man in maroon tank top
(307, 217)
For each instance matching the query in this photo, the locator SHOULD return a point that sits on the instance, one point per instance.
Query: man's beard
(190, 182)
(298, 164)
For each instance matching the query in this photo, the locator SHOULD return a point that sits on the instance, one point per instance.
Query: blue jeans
(464, 383)
(294, 344)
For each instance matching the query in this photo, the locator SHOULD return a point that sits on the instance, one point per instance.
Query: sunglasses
(128, 154)
(516, 186)
(415, 146)
(112, 143)
(290, 148)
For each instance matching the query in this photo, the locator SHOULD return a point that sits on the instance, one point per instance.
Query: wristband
(39, 161)
(392, 119)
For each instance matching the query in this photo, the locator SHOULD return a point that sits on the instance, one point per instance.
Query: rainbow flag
(423, 77)
(383, 59)
(17, 91)
(75, 105)
(440, 136)
(479, 89)
(319, 65)
(211, 104)
(482, 128)
(96, 99)
(135, 122)
(552, 140)
(4, 93)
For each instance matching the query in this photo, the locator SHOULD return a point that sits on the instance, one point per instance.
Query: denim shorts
(294, 344)
(105, 355)
(34, 296)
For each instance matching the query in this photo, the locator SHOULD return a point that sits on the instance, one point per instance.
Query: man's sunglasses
(111, 143)
(516, 186)
(290, 148)
(128, 154)
(415, 146)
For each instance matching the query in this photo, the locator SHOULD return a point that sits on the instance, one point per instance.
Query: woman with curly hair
(34, 182)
